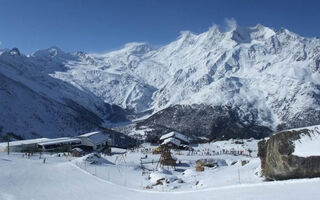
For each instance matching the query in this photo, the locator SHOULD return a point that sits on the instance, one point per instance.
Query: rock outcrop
(282, 159)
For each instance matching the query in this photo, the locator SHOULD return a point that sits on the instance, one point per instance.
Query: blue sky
(104, 25)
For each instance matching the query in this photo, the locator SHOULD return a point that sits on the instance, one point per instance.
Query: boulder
(244, 162)
(205, 163)
(201, 163)
(199, 168)
(291, 154)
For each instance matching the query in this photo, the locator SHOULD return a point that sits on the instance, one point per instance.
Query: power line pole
(8, 138)
(239, 175)
(113, 138)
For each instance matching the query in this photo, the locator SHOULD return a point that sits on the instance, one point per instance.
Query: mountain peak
(286, 32)
(137, 47)
(247, 34)
(214, 29)
(185, 38)
(55, 49)
(186, 34)
(14, 52)
(260, 32)
(50, 52)
(81, 54)
(53, 53)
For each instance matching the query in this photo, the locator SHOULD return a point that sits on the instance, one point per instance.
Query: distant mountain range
(245, 82)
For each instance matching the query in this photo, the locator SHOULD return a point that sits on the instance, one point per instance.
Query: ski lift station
(96, 140)
(93, 141)
(174, 139)
(59, 144)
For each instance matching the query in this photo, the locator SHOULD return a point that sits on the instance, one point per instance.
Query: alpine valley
(240, 83)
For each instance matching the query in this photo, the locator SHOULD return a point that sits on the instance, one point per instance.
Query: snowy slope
(34, 104)
(22, 178)
(269, 78)
(272, 72)
(109, 80)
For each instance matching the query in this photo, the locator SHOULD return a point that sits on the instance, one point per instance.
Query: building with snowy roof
(23, 145)
(93, 141)
(77, 152)
(97, 140)
(62, 144)
(172, 142)
(175, 138)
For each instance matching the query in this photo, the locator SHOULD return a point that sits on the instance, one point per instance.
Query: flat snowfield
(58, 178)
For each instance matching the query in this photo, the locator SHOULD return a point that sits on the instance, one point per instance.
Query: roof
(65, 140)
(175, 134)
(78, 149)
(96, 137)
(25, 142)
(89, 134)
(171, 140)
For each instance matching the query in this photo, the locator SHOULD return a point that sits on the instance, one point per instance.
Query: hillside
(258, 78)
(34, 104)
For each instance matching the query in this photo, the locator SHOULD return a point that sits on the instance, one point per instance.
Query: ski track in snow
(59, 178)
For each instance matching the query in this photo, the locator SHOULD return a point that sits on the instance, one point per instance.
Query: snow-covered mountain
(33, 104)
(264, 78)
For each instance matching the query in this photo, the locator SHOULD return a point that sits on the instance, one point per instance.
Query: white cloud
(231, 24)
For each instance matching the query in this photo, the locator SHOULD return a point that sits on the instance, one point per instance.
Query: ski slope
(58, 178)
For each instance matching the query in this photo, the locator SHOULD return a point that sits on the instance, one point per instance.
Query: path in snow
(59, 179)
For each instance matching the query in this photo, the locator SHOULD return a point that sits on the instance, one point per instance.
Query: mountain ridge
(274, 74)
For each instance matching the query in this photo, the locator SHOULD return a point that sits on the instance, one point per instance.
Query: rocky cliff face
(291, 154)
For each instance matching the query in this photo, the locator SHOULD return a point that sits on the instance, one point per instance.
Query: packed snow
(130, 174)
(309, 143)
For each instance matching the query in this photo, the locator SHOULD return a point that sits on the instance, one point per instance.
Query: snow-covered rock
(308, 144)
(293, 153)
